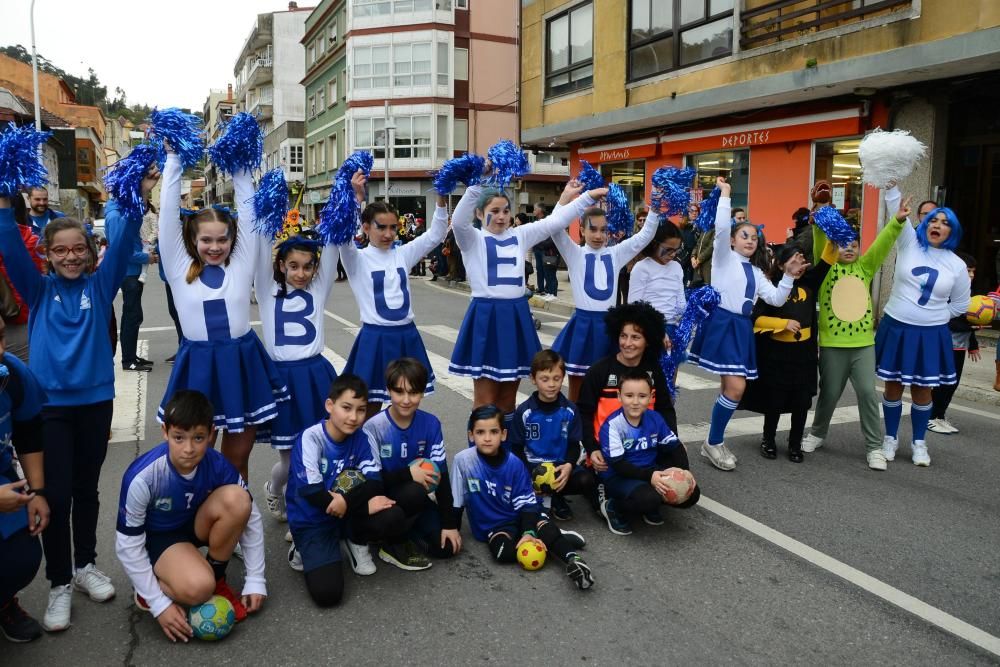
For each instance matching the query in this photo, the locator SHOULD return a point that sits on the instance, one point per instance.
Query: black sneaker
(768, 449)
(617, 524)
(405, 556)
(145, 362)
(653, 518)
(574, 538)
(561, 511)
(16, 625)
(137, 366)
(579, 573)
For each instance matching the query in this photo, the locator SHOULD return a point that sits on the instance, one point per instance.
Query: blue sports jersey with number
(155, 498)
(636, 444)
(21, 399)
(543, 432)
(397, 448)
(494, 496)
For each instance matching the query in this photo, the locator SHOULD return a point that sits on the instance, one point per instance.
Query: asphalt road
(702, 589)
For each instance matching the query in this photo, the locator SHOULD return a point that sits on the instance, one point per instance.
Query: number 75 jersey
(156, 498)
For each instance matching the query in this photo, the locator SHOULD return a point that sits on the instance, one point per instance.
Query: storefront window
(631, 176)
(734, 166)
(838, 163)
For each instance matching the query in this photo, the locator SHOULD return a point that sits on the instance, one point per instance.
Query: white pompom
(888, 157)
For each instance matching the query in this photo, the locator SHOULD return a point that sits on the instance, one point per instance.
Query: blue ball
(212, 620)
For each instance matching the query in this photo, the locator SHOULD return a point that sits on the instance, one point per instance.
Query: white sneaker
(274, 503)
(876, 460)
(294, 558)
(718, 455)
(942, 426)
(810, 443)
(920, 456)
(361, 558)
(58, 612)
(951, 428)
(288, 536)
(889, 446)
(94, 583)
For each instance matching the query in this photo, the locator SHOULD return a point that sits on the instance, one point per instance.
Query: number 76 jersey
(156, 498)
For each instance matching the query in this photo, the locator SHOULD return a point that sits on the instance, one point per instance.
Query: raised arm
(723, 224)
(173, 254)
(559, 220)
(633, 245)
(247, 241)
(123, 234)
(461, 220)
(416, 249)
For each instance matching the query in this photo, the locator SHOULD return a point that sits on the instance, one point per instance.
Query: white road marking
(755, 425)
(170, 328)
(893, 596)
(129, 421)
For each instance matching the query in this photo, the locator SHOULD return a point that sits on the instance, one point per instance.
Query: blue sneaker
(617, 524)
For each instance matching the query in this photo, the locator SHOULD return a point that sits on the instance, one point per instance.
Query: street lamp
(34, 73)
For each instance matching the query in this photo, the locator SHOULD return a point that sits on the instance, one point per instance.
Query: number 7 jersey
(929, 286)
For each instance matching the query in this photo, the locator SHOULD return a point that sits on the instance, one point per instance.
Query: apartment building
(219, 107)
(775, 95)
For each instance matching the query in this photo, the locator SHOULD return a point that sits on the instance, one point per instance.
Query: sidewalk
(977, 378)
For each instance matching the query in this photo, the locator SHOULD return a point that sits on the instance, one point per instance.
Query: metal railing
(782, 20)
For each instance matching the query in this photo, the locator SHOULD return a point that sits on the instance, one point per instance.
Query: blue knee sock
(892, 412)
(919, 416)
(721, 414)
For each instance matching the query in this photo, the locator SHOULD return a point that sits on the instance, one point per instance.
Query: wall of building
(289, 66)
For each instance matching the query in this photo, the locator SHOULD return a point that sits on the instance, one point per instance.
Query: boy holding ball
(641, 452)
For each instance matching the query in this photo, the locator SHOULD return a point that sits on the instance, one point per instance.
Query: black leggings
(581, 482)
(413, 500)
(21, 554)
(503, 543)
(645, 499)
(942, 394)
(75, 441)
(794, 435)
(326, 584)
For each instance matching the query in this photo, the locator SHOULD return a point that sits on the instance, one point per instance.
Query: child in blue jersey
(547, 429)
(638, 447)
(72, 358)
(292, 290)
(503, 511)
(24, 512)
(724, 344)
(335, 493)
(405, 437)
(175, 498)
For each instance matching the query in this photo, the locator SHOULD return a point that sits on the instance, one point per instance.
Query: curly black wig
(645, 317)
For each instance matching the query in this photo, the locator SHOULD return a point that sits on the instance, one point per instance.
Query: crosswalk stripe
(128, 423)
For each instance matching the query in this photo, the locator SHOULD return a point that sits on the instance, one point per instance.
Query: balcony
(257, 70)
(260, 104)
(546, 163)
(772, 22)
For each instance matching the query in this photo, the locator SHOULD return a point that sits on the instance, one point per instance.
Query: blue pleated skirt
(497, 340)
(724, 345)
(308, 382)
(583, 341)
(914, 355)
(375, 346)
(237, 375)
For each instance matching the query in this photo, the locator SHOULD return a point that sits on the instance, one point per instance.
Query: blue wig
(951, 243)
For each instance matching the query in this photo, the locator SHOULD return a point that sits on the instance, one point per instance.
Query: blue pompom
(700, 305)
(240, 147)
(706, 214)
(182, 131)
(834, 226)
(338, 221)
(508, 162)
(467, 169)
(123, 179)
(20, 166)
(620, 219)
(270, 204)
(590, 177)
(671, 190)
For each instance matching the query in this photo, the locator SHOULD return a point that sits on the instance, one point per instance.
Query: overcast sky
(161, 53)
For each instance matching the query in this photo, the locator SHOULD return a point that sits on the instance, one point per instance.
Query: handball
(531, 556)
(543, 477)
(429, 466)
(348, 480)
(982, 310)
(680, 486)
(212, 620)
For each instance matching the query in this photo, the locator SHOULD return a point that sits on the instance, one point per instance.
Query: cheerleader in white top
(292, 290)
(724, 344)
(593, 277)
(379, 276)
(497, 340)
(913, 344)
(658, 279)
(209, 264)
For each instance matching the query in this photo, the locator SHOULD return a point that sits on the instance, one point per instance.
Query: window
(442, 137)
(669, 34)
(734, 166)
(331, 32)
(412, 137)
(569, 62)
(371, 67)
(331, 144)
(837, 162)
(461, 4)
(412, 64)
(631, 176)
(385, 8)
(442, 63)
(369, 135)
(321, 100)
(312, 106)
(461, 64)
(321, 155)
(320, 48)
(461, 134)
(295, 159)
(312, 55)
(331, 94)
(312, 160)
(546, 157)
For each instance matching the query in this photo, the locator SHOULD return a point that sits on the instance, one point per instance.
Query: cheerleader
(659, 280)
(787, 353)
(912, 344)
(724, 343)
(379, 276)
(594, 270)
(209, 263)
(291, 292)
(497, 340)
